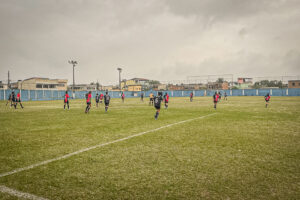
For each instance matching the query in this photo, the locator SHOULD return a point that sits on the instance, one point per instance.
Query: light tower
(8, 80)
(74, 63)
(120, 70)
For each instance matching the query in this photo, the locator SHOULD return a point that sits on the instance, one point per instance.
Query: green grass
(245, 151)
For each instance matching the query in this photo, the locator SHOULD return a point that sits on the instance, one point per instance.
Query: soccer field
(242, 150)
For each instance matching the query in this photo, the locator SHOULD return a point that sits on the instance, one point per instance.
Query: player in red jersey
(88, 102)
(216, 99)
(18, 100)
(267, 99)
(123, 97)
(191, 96)
(66, 101)
(166, 100)
(101, 97)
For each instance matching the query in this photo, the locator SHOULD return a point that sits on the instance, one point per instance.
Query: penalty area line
(19, 194)
(97, 146)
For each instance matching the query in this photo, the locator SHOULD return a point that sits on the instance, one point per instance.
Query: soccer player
(166, 100)
(157, 103)
(97, 99)
(9, 100)
(151, 96)
(18, 100)
(86, 96)
(191, 96)
(267, 99)
(142, 96)
(225, 96)
(106, 101)
(215, 98)
(101, 97)
(88, 101)
(13, 99)
(66, 101)
(220, 96)
(123, 97)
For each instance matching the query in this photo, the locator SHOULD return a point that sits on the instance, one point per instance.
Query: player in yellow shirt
(151, 96)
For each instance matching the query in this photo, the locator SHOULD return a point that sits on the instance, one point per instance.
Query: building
(218, 86)
(108, 87)
(135, 84)
(83, 87)
(37, 83)
(245, 80)
(225, 86)
(3, 86)
(93, 87)
(294, 84)
(245, 83)
(162, 87)
(175, 87)
(134, 88)
(194, 86)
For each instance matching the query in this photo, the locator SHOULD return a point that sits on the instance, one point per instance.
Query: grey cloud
(243, 32)
(229, 9)
(216, 9)
(158, 39)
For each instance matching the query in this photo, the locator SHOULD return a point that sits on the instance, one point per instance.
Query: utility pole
(8, 80)
(231, 82)
(74, 63)
(120, 70)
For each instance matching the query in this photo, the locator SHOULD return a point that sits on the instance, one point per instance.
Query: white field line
(96, 146)
(19, 194)
(83, 106)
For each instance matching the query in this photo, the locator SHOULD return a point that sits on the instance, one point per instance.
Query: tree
(220, 80)
(153, 82)
(267, 83)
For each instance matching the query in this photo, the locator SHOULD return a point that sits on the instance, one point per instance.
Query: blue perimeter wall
(28, 95)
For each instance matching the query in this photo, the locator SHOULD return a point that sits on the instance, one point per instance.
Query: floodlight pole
(231, 82)
(73, 63)
(120, 70)
(8, 80)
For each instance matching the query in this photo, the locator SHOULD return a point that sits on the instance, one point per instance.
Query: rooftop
(140, 79)
(42, 78)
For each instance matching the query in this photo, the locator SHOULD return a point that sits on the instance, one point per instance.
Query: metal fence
(35, 95)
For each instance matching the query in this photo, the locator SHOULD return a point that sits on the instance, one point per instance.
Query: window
(1, 86)
(61, 85)
(293, 84)
(299, 84)
(39, 86)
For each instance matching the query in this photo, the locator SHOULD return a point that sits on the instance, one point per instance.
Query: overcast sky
(155, 39)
